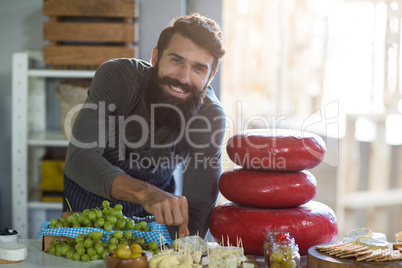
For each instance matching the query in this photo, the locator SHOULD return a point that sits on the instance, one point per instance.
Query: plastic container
(9, 238)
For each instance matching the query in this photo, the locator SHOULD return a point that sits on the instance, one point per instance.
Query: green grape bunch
(107, 218)
(95, 244)
(91, 247)
(85, 247)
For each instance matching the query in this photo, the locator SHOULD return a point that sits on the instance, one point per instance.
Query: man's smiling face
(179, 77)
(183, 67)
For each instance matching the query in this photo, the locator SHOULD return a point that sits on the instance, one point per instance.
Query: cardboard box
(47, 240)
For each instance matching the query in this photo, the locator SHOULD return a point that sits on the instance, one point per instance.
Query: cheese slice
(168, 261)
(11, 251)
(356, 234)
(379, 236)
(191, 243)
(154, 262)
(374, 243)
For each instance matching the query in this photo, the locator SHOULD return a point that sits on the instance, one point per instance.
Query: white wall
(21, 29)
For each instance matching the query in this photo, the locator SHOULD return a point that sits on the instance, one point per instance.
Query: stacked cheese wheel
(273, 190)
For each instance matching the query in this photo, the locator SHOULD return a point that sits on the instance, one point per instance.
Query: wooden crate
(84, 34)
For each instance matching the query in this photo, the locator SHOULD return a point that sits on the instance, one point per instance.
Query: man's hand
(167, 208)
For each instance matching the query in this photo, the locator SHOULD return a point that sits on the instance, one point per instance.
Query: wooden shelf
(50, 73)
(31, 137)
(47, 138)
(45, 205)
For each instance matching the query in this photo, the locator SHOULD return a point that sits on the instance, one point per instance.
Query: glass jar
(270, 238)
(285, 254)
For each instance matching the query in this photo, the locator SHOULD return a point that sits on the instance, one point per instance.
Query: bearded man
(141, 120)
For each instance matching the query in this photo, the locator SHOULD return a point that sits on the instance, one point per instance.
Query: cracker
(396, 245)
(360, 253)
(357, 254)
(329, 247)
(384, 253)
(371, 255)
(395, 255)
(380, 259)
(352, 251)
(340, 249)
(349, 250)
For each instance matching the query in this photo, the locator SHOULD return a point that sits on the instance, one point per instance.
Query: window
(289, 59)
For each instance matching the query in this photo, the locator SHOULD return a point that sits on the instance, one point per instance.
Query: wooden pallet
(84, 34)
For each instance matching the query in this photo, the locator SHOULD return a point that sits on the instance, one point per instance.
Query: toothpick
(237, 246)
(186, 247)
(241, 243)
(160, 242)
(176, 245)
(197, 241)
(230, 253)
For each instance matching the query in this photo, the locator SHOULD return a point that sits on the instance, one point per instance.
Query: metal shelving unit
(30, 137)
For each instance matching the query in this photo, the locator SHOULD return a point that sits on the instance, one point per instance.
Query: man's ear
(154, 57)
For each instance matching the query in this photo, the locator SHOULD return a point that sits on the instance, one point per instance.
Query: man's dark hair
(201, 30)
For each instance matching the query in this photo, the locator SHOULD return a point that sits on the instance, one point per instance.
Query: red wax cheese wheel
(268, 189)
(310, 224)
(276, 150)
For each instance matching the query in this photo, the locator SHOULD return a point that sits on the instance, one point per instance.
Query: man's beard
(163, 112)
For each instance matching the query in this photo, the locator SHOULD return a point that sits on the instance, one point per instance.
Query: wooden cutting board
(8, 262)
(316, 259)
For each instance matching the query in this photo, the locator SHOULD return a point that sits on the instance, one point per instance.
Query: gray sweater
(112, 135)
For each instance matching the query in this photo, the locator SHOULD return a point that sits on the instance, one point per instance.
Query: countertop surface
(38, 258)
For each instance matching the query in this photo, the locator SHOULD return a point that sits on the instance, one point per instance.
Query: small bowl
(9, 238)
(113, 262)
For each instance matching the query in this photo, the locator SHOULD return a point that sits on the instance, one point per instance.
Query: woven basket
(72, 94)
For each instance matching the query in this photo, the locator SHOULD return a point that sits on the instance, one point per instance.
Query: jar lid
(269, 234)
(276, 235)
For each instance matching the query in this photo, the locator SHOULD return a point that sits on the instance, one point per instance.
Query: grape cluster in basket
(107, 218)
(90, 247)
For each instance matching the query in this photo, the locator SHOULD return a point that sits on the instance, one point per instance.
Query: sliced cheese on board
(356, 234)
(379, 236)
(192, 243)
(373, 243)
(13, 251)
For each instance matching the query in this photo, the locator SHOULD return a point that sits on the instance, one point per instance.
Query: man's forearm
(128, 189)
